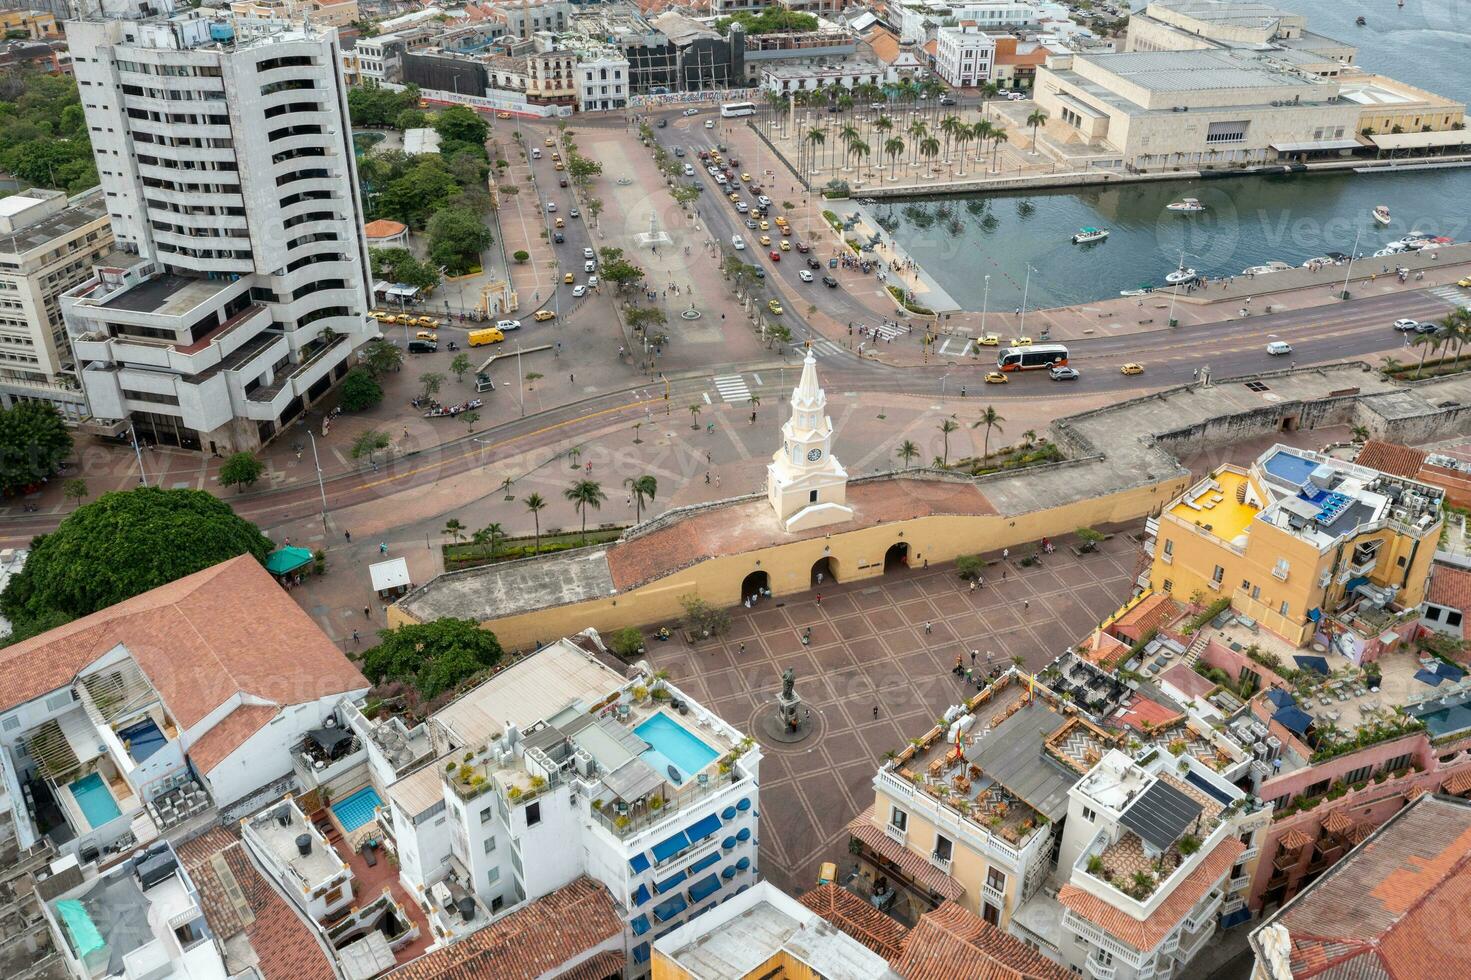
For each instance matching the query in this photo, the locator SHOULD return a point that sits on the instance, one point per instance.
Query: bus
(1035, 356)
(731, 109)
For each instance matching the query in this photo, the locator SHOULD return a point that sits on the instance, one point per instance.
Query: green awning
(288, 559)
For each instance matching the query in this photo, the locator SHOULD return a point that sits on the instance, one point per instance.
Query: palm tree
(848, 134)
(694, 416)
(963, 135)
(951, 127)
(1359, 433)
(1029, 436)
(640, 488)
(998, 136)
(585, 494)
(908, 452)
(893, 147)
(454, 528)
(884, 125)
(816, 137)
(1037, 118)
(1391, 366)
(989, 91)
(917, 131)
(535, 503)
(860, 149)
(981, 132)
(929, 148)
(991, 419)
(947, 426)
(1427, 342)
(491, 534)
(1455, 331)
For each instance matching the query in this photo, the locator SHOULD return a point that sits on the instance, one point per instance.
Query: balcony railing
(897, 834)
(1099, 970)
(623, 825)
(943, 863)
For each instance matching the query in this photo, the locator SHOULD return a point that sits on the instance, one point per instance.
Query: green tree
(582, 170)
(455, 529)
(1036, 118)
(419, 193)
(461, 124)
(536, 503)
(381, 357)
(489, 538)
(908, 452)
(947, 426)
(991, 419)
(772, 20)
(434, 657)
(120, 545)
(641, 488)
(456, 239)
(594, 208)
(368, 444)
(694, 416)
(241, 470)
(430, 382)
(459, 366)
(584, 494)
(33, 443)
(360, 391)
(410, 119)
(75, 489)
(399, 265)
(623, 273)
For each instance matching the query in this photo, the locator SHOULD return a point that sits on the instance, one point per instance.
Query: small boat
(675, 775)
(1361, 21)
(1267, 269)
(1186, 205)
(1085, 235)
(1182, 275)
(1141, 291)
(1381, 214)
(1320, 261)
(1338, 256)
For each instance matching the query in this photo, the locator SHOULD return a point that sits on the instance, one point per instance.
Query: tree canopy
(461, 124)
(434, 657)
(33, 443)
(360, 391)
(456, 238)
(43, 133)
(121, 545)
(418, 192)
(772, 20)
(377, 106)
(400, 265)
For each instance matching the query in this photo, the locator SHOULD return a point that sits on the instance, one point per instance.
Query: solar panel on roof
(1161, 815)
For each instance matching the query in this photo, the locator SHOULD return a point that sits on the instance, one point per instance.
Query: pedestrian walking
(382, 547)
(707, 478)
(1026, 603)
(717, 481)
(355, 640)
(973, 657)
(571, 378)
(348, 536)
(743, 648)
(959, 666)
(366, 613)
(875, 712)
(927, 627)
(819, 602)
(1005, 553)
(972, 585)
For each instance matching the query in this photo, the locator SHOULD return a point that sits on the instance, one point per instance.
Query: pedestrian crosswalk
(826, 347)
(1454, 295)
(732, 388)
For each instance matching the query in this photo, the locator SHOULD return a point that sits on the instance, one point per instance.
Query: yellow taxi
(559, 166)
(428, 335)
(786, 246)
(556, 156)
(427, 321)
(561, 223)
(781, 220)
(765, 225)
(549, 141)
(745, 178)
(995, 378)
(503, 115)
(1464, 283)
(774, 307)
(734, 197)
(1019, 342)
(1132, 368)
(403, 318)
(569, 278)
(717, 159)
(542, 315)
(379, 315)
(765, 239)
(988, 340)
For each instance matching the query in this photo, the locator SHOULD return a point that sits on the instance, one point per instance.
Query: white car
(720, 179)
(738, 243)
(589, 265)
(551, 207)
(712, 171)
(587, 253)
(709, 124)
(592, 282)
(742, 207)
(690, 112)
(504, 325)
(764, 201)
(1406, 326)
(804, 275)
(689, 171)
(579, 290)
(1279, 347)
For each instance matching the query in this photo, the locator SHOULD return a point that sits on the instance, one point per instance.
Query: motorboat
(1383, 252)
(1266, 269)
(1381, 214)
(1182, 275)
(1084, 236)
(1318, 262)
(1141, 291)
(1338, 256)
(1186, 205)
(1360, 21)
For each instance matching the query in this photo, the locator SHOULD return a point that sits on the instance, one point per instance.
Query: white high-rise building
(239, 286)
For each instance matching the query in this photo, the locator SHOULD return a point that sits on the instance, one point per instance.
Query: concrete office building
(48, 244)
(238, 288)
(919, 19)
(964, 55)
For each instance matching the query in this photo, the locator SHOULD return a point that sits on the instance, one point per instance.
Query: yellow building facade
(1250, 535)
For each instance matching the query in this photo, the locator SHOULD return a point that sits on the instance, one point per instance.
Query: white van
(689, 171)
(536, 153)
(1279, 347)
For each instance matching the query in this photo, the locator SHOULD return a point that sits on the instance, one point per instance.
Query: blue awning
(728, 813)
(706, 826)
(640, 925)
(670, 846)
(743, 863)
(641, 953)
(1428, 677)
(728, 843)
(672, 881)
(639, 863)
(667, 910)
(1293, 719)
(703, 888)
(744, 835)
(729, 872)
(1230, 919)
(704, 863)
(641, 896)
(1281, 698)
(744, 804)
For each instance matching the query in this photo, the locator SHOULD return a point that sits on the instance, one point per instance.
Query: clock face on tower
(813, 455)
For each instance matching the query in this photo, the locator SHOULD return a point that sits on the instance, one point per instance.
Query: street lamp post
(138, 452)
(1176, 294)
(520, 382)
(321, 488)
(1026, 285)
(1353, 254)
(985, 304)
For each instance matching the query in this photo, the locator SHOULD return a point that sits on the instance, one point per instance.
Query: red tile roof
(1338, 822)
(229, 734)
(952, 942)
(533, 941)
(1389, 457)
(857, 918)
(225, 631)
(916, 868)
(1293, 839)
(1392, 906)
(1144, 710)
(1451, 587)
(236, 898)
(1145, 934)
(1153, 611)
(1187, 681)
(383, 228)
(1103, 649)
(1457, 783)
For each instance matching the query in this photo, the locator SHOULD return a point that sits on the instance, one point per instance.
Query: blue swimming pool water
(670, 743)
(95, 799)
(143, 739)
(354, 811)
(1290, 467)
(1447, 720)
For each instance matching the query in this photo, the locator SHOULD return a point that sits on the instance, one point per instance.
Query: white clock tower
(805, 483)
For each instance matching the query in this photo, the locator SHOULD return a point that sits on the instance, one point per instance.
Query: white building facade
(602, 81)
(919, 19)
(964, 55)
(239, 287)
(805, 78)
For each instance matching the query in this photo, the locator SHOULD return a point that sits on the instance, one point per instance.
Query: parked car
(1406, 325)
(690, 112)
(738, 243)
(995, 378)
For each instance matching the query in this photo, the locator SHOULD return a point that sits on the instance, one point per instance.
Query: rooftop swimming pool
(95, 800)
(143, 739)
(355, 810)
(1290, 467)
(670, 743)
(1443, 721)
